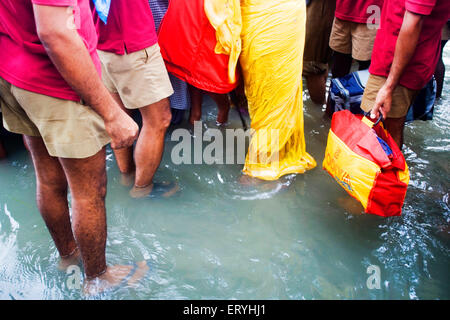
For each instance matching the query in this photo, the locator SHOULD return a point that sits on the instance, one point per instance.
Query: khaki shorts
(140, 78)
(352, 38)
(402, 97)
(69, 129)
(319, 20)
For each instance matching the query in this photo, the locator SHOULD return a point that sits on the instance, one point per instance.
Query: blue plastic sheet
(385, 147)
(102, 7)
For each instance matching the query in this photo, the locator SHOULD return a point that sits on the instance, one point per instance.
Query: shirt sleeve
(423, 7)
(55, 3)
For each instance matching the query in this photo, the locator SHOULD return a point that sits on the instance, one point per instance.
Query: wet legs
(221, 100)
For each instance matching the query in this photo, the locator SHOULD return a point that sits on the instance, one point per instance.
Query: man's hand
(404, 50)
(122, 130)
(70, 56)
(382, 103)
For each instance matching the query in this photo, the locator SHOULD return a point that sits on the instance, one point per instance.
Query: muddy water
(299, 239)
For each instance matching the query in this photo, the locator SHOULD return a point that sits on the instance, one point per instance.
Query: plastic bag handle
(373, 124)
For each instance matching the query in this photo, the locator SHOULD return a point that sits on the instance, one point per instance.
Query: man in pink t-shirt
(405, 55)
(51, 92)
(135, 74)
(353, 33)
(352, 36)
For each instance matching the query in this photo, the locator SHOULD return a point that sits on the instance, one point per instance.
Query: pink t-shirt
(423, 63)
(356, 10)
(130, 27)
(23, 59)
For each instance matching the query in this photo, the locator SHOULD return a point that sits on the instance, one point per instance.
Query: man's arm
(70, 56)
(404, 51)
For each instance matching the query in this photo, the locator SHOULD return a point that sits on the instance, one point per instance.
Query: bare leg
(196, 104)
(363, 65)
(87, 182)
(439, 73)
(341, 64)
(316, 84)
(51, 196)
(124, 157)
(238, 97)
(223, 104)
(150, 144)
(395, 128)
(2, 150)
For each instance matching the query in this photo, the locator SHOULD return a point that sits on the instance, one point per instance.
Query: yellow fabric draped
(225, 17)
(273, 37)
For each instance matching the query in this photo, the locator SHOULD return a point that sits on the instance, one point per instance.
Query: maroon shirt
(130, 27)
(423, 63)
(355, 10)
(24, 61)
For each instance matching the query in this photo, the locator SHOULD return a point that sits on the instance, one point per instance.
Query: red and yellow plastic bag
(372, 171)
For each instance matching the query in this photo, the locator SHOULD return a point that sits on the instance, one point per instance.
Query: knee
(51, 183)
(165, 116)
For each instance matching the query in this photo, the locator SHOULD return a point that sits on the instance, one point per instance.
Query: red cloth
(355, 10)
(129, 27)
(187, 40)
(23, 59)
(423, 63)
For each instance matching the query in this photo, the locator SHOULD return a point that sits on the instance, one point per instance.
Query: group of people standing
(70, 80)
(398, 40)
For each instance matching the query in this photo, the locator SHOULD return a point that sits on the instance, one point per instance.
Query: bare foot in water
(114, 276)
(262, 185)
(162, 189)
(127, 179)
(70, 260)
(140, 272)
(222, 115)
(248, 181)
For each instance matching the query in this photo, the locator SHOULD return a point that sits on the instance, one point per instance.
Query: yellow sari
(273, 38)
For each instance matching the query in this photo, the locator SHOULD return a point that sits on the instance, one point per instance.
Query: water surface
(218, 240)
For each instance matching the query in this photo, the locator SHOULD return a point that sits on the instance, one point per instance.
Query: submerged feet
(248, 181)
(155, 190)
(262, 185)
(222, 115)
(127, 179)
(115, 276)
(72, 259)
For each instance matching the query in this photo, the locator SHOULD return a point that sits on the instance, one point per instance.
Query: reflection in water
(218, 239)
